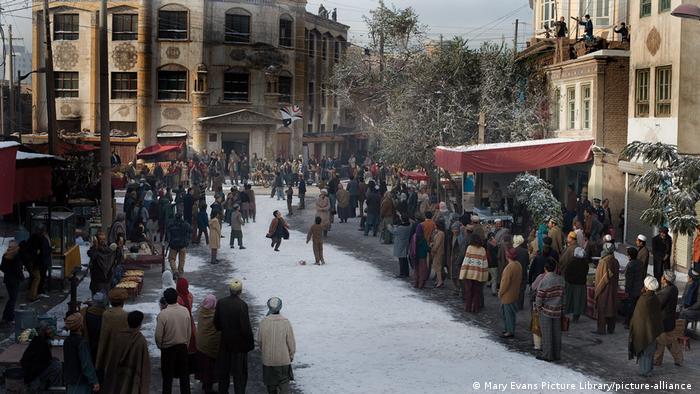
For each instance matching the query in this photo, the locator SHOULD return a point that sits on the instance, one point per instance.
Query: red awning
(415, 175)
(513, 156)
(157, 149)
(8, 157)
(64, 148)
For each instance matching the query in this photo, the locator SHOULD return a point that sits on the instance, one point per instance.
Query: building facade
(589, 95)
(213, 74)
(663, 101)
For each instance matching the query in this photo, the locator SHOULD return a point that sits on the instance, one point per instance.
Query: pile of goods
(27, 335)
(132, 282)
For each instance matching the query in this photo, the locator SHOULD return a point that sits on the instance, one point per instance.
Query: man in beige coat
(277, 344)
(509, 291)
(556, 236)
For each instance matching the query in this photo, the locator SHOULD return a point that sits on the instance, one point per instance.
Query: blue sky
(477, 20)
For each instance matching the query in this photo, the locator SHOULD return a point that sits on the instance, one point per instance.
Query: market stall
(161, 153)
(8, 155)
(65, 253)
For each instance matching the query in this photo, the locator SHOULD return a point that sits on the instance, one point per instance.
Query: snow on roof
(8, 144)
(30, 156)
(506, 145)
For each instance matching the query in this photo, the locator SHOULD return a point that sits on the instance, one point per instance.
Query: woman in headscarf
(185, 298)
(12, 269)
(208, 340)
(575, 291)
(437, 252)
(474, 273)
(421, 249)
(402, 236)
(542, 232)
(607, 275)
(167, 280)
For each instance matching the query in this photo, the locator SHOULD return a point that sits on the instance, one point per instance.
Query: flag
(290, 113)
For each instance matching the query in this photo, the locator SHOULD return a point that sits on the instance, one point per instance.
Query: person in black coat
(11, 268)
(537, 266)
(634, 282)
(232, 320)
(39, 366)
(661, 248)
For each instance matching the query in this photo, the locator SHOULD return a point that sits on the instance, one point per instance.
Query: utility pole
(10, 75)
(50, 85)
(515, 40)
(105, 152)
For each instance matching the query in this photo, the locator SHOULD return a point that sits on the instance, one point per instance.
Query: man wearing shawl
(277, 345)
(645, 327)
(113, 321)
(102, 259)
(419, 250)
(133, 365)
(509, 291)
(606, 278)
(78, 371)
(118, 229)
(39, 367)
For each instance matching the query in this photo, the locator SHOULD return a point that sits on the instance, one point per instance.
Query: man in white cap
(645, 327)
(478, 227)
(232, 320)
(668, 297)
(643, 252)
(523, 257)
(277, 345)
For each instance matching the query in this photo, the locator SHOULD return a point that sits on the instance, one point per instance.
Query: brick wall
(616, 80)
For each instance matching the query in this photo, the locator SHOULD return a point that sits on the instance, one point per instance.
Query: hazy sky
(477, 20)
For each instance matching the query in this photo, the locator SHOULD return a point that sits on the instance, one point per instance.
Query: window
(236, 86)
(548, 14)
(571, 106)
(124, 27)
(336, 51)
(285, 32)
(309, 127)
(172, 85)
(324, 48)
(212, 137)
(663, 91)
(642, 93)
(586, 106)
(556, 108)
(602, 13)
(322, 129)
(335, 101)
(172, 25)
(284, 84)
(664, 5)
(237, 28)
(644, 8)
(65, 26)
(310, 105)
(323, 95)
(312, 44)
(66, 83)
(123, 85)
(335, 126)
(129, 127)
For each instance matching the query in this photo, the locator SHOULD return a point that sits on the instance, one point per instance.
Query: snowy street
(356, 331)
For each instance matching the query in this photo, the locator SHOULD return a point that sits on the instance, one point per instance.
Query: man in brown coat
(316, 235)
(556, 236)
(509, 291)
(607, 275)
(643, 252)
(114, 320)
(386, 214)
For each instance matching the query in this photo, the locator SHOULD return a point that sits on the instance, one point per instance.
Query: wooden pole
(105, 152)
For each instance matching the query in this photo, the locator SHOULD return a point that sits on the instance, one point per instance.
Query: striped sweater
(550, 295)
(475, 265)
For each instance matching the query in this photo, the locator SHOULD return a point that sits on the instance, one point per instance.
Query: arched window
(286, 27)
(237, 26)
(285, 86)
(173, 20)
(172, 83)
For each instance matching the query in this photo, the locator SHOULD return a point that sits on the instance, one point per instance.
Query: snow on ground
(356, 326)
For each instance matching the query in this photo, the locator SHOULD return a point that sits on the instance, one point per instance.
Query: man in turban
(78, 371)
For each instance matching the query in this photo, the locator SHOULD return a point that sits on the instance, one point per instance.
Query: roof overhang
(241, 116)
(514, 156)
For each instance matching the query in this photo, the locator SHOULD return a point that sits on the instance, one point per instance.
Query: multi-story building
(663, 99)
(210, 73)
(589, 95)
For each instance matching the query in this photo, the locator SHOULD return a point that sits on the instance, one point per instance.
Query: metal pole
(105, 152)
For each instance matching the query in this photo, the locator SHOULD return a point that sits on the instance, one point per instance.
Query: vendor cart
(66, 254)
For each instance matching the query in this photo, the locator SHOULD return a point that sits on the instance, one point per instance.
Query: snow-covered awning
(513, 156)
